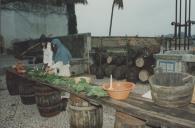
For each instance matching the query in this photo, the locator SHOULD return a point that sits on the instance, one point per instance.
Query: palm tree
(118, 3)
(72, 21)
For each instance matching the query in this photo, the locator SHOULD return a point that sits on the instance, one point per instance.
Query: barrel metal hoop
(27, 95)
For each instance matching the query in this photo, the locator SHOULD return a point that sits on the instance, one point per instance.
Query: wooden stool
(126, 121)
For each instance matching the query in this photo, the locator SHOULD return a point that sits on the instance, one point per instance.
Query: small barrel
(171, 89)
(126, 121)
(48, 100)
(26, 91)
(12, 82)
(84, 115)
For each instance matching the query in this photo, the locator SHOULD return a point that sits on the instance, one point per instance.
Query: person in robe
(61, 58)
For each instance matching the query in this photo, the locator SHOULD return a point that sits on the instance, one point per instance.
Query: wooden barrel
(119, 60)
(12, 82)
(83, 114)
(63, 104)
(132, 74)
(171, 89)
(48, 100)
(132, 52)
(126, 121)
(26, 91)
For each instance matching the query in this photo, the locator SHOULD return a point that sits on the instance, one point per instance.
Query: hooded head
(62, 53)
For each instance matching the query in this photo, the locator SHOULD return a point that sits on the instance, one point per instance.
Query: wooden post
(127, 121)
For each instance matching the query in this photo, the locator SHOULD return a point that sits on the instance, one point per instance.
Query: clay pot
(120, 90)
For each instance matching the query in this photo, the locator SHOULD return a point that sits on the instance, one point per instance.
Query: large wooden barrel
(83, 114)
(12, 82)
(48, 100)
(26, 91)
(171, 89)
(126, 121)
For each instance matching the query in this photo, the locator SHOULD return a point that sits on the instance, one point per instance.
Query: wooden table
(142, 108)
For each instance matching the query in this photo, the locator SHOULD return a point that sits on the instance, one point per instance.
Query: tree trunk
(111, 18)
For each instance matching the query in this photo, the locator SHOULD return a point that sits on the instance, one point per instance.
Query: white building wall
(19, 25)
(57, 25)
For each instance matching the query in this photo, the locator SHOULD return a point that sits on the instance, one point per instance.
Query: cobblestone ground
(13, 114)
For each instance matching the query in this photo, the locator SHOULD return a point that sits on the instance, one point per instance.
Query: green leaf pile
(82, 86)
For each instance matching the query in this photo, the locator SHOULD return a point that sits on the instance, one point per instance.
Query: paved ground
(13, 114)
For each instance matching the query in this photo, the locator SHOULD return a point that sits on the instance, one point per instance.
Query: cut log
(144, 61)
(93, 68)
(108, 70)
(120, 72)
(119, 60)
(139, 62)
(132, 74)
(127, 121)
(145, 74)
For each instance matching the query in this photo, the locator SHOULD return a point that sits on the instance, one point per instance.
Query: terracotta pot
(120, 90)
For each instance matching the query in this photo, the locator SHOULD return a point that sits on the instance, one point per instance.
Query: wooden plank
(154, 115)
(124, 120)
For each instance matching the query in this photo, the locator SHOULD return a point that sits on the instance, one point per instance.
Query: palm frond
(77, 1)
(119, 3)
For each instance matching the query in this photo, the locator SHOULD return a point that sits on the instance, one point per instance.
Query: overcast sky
(139, 17)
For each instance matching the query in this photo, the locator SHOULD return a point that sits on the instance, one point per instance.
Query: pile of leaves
(82, 86)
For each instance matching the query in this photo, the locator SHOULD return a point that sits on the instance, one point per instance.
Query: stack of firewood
(136, 64)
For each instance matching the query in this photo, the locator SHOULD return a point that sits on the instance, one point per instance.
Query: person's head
(43, 40)
(56, 44)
